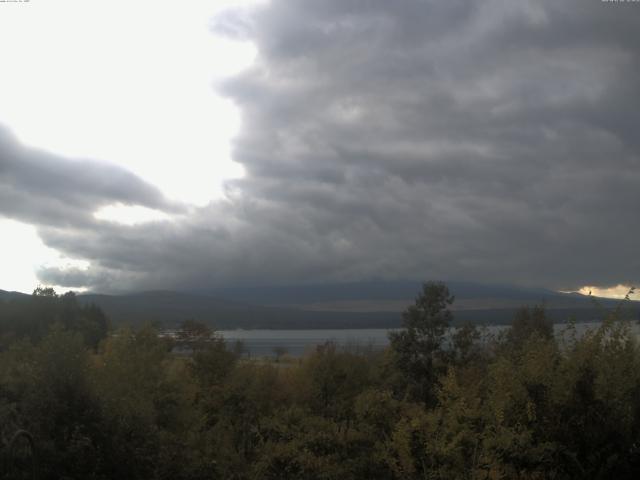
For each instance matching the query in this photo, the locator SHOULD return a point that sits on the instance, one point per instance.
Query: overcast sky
(193, 144)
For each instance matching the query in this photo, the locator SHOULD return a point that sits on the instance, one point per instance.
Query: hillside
(353, 305)
(169, 308)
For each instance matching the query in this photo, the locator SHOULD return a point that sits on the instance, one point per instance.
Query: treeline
(522, 405)
(32, 317)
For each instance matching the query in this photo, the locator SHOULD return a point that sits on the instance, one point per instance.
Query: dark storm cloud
(489, 141)
(45, 189)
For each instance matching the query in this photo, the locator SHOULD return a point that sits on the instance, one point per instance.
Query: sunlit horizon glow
(617, 291)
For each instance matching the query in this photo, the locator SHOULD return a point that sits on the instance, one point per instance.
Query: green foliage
(47, 387)
(527, 322)
(465, 344)
(431, 406)
(34, 316)
(417, 348)
(332, 379)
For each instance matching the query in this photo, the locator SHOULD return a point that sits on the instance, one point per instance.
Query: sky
(191, 145)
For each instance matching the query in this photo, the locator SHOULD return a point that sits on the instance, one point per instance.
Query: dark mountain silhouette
(170, 308)
(403, 290)
(347, 305)
(5, 295)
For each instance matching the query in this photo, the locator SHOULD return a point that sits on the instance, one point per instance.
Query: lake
(297, 342)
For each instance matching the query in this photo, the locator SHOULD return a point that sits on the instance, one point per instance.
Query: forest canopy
(106, 403)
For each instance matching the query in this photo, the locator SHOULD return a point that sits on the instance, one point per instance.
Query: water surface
(298, 342)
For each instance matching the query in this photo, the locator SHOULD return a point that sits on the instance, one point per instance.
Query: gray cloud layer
(490, 141)
(45, 189)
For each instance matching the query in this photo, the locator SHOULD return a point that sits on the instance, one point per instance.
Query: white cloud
(129, 214)
(126, 82)
(23, 253)
(431, 140)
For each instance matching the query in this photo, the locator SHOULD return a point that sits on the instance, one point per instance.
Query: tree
(529, 321)
(192, 331)
(417, 348)
(49, 386)
(464, 343)
(279, 351)
(211, 361)
(33, 316)
(47, 292)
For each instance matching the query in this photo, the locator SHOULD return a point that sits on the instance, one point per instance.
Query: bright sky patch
(129, 214)
(125, 82)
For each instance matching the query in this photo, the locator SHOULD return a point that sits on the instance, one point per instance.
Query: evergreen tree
(417, 348)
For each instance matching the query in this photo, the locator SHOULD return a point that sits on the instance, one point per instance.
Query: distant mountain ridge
(346, 305)
(400, 290)
(7, 295)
